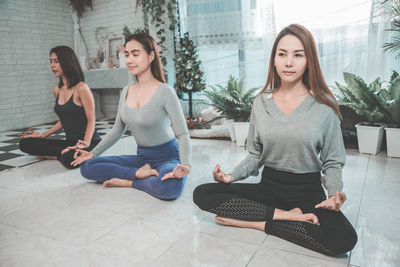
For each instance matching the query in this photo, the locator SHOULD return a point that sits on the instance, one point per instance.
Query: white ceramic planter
(241, 132)
(393, 142)
(369, 138)
(231, 129)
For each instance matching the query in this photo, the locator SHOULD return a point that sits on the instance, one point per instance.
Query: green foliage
(373, 102)
(233, 100)
(350, 138)
(194, 124)
(394, 45)
(391, 102)
(155, 11)
(127, 32)
(80, 6)
(189, 77)
(395, 74)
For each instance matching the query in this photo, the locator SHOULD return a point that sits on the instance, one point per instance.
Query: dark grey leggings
(52, 147)
(283, 190)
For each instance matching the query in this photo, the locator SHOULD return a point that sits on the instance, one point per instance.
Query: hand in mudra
(81, 156)
(82, 144)
(220, 176)
(30, 133)
(333, 202)
(79, 145)
(178, 172)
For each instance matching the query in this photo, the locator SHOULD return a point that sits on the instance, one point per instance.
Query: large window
(235, 37)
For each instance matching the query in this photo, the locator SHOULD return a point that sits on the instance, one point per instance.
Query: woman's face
(55, 65)
(137, 59)
(290, 59)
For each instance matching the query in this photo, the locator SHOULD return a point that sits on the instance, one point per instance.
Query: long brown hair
(69, 64)
(312, 77)
(149, 44)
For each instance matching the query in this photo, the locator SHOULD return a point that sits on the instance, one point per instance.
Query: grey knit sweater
(307, 140)
(151, 124)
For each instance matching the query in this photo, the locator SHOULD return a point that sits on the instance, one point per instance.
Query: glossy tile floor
(50, 216)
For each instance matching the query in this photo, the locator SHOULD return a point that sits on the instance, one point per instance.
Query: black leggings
(52, 147)
(282, 190)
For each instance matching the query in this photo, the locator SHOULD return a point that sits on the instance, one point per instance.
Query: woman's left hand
(333, 203)
(178, 172)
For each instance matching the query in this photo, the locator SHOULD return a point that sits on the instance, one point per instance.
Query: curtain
(231, 36)
(79, 44)
(379, 63)
(235, 37)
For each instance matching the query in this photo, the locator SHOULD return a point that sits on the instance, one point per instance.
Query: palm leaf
(232, 100)
(393, 46)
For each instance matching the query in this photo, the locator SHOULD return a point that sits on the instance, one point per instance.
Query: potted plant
(390, 98)
(235, 103)
(392, 95)
(189, 76)
(217, 98)
(366, 102)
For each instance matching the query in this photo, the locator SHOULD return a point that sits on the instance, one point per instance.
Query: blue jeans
(163, 158)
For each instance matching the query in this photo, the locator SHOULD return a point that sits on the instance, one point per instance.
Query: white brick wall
(113, 15)
(28, 30)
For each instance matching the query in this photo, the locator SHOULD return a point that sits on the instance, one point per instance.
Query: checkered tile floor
(11, 156)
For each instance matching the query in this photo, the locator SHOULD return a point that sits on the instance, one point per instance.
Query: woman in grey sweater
(149, 108)
(295, 134)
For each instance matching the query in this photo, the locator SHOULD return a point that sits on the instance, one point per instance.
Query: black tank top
(73, 120)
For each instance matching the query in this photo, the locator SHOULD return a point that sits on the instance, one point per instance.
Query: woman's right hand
(81, 156)
(79, 145)
(30, 133)
(220, 176)
(65, 150)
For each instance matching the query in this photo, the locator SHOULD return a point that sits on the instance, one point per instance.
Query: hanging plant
(80, 5)
(154, 11)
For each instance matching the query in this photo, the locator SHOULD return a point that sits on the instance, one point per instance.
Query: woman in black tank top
(75, 109)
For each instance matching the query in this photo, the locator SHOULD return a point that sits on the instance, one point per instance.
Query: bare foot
(117, 183)
(296, 211)
(239, 223)
(295, 215)
(145, 172)
(308, 217)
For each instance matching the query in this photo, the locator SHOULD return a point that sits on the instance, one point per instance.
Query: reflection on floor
(11, 156)
(51, 216)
